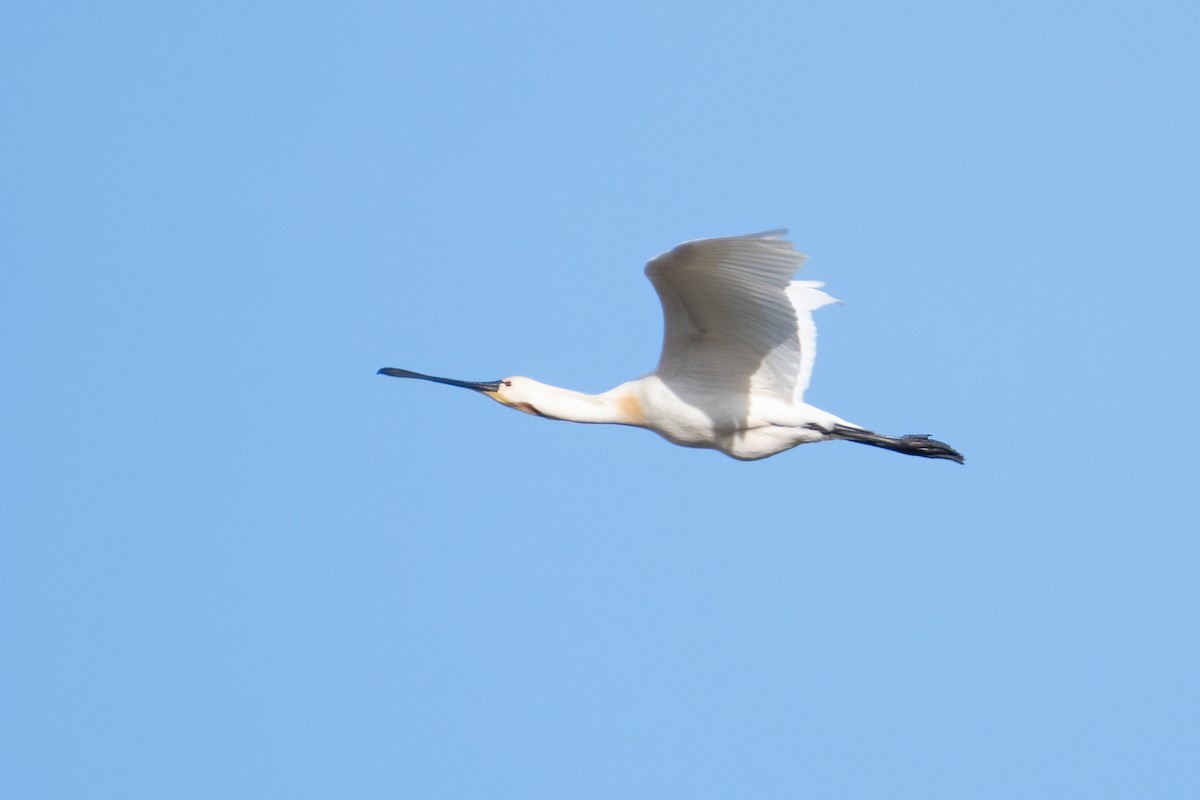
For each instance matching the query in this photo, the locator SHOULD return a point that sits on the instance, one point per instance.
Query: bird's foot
(914, 444)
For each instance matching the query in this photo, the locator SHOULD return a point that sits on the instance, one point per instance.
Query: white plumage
(733, 316)
(739, 342)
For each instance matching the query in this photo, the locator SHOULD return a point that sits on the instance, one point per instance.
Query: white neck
(616, 406)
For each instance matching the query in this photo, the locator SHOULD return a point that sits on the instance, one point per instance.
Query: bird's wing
(734, 320)
(806, 297)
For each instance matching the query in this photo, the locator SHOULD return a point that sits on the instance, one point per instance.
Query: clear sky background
(235, 563)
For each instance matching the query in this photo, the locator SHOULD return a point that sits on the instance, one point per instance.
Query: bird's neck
(617, 406)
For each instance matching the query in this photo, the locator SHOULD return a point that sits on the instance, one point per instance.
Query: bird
(739, 342)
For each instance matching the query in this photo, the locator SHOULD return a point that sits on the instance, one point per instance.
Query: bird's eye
(507, 383)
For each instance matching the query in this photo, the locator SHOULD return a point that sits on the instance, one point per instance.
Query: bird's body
(739, 343)
(762, 427)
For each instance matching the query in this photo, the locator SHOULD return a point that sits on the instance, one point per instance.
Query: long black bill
(486, 386)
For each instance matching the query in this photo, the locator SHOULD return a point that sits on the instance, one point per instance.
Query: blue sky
(236, 563)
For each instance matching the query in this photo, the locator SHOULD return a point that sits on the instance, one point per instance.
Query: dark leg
(918, 444)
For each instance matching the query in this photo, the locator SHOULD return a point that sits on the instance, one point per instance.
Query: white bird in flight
(738, 348)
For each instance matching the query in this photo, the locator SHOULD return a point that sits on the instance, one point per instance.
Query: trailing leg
(917, 444)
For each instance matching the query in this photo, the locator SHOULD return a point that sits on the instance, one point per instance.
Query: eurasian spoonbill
(738, 349)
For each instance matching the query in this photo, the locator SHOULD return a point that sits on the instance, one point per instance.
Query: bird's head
(519, 393)
(516, 392)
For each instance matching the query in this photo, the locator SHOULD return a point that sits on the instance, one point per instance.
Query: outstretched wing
(734, 320)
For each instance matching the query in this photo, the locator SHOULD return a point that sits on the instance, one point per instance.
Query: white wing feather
(734, 320)
(806, 297)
